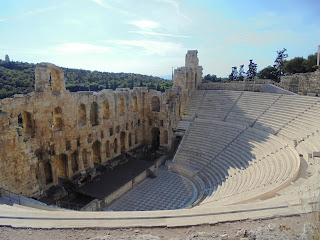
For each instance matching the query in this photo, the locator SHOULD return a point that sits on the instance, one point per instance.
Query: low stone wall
(96, 205)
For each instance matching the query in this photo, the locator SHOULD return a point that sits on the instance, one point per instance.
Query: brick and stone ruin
(247, 151)
(53, 134)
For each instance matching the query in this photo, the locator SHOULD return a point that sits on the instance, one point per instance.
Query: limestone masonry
(52, 133)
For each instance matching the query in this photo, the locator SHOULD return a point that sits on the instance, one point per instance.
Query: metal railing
(68, 205)
(6, 194)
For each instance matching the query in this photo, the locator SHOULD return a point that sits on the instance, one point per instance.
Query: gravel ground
(275, 228)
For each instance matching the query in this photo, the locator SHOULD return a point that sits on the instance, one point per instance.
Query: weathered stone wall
(302, 83)
(52, 133)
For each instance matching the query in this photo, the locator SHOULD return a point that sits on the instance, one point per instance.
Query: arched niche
(155, 137)
(135, 104)
(75, 161)
(26, 121)
(155, 104)
(105, 109)
(57, 119)
(94, 114)
(62, 166)
(96, 150)
(123, 142)
(122, 107)
(82, 115)
(107, 149)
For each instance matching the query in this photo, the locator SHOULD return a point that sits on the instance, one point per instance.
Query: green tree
(295, 65)
(268, 73)
(233, 76)
(6, 58)
(311, 62)
(252, 71)
(131, 83)
(279, 62)
(241, 73)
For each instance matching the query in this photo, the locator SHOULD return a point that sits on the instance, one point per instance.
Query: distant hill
(18, 77)
(167, 77)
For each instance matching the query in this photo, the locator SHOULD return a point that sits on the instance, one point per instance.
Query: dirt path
(293, 225)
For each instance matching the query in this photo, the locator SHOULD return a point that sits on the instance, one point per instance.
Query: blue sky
(152, 36)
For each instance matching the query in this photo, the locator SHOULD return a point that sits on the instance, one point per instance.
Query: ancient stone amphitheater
(245, 154)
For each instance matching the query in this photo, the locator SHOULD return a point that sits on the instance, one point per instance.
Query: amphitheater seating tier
(245, 146)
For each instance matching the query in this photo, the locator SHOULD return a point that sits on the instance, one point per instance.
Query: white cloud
(2, 19)
(160, 34)
(41, 10)
(145, 24)
(74, 48)
(113, 6)
(153, 47)
(99, 2)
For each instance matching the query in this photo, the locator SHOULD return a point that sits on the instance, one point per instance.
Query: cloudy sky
(152, 36)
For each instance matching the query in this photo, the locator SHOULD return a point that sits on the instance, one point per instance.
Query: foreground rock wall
(52, 134)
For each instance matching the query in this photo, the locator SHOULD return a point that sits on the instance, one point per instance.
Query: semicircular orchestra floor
(167, 191)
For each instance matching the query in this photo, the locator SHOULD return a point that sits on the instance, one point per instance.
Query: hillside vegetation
(18, 77)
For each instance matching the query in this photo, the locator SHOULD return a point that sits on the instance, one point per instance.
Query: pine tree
(131, 84)
(6, 58)
(279, 62)
(241, 73)
(252, 71)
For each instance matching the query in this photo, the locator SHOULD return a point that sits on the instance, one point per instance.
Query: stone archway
(94, 115)
(155, 138)
(123, 142)
(62, 166)
(155, 104)
(96, 150)
(48, 173)
(82, 115)
(75, 161)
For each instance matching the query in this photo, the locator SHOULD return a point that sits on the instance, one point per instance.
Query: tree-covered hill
(18, 77)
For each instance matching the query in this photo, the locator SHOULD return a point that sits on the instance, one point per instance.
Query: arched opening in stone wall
(82, 115)
(165, 137)
(107, 149)
(68, 145)
(136, 137)
(187, 79)
(57, 118)
(180, 109)
(75, 161)
(62, 166)
(195, 80)
(121, 107)
(96, 150)
(48, 172)
(135, 104)
(85, 158)
(25, 120)
(123, 142)
(155, 138)
(94, 116)
(56, 81)
(105, 109)
(130, 140)
(115, 146)
(20, 120)
(155, 103)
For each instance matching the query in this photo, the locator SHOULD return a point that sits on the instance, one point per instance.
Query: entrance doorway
(155, 138)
